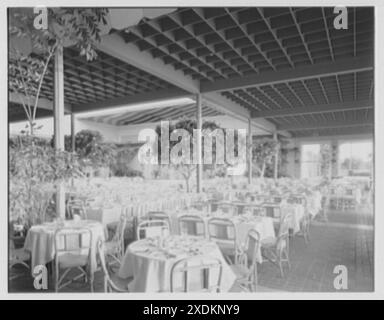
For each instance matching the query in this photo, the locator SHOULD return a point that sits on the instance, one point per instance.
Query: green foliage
(125, 153)
(79, 27)
(263, 152)
(92, 151)
(34, 169)
(186, 167)
(325, 160)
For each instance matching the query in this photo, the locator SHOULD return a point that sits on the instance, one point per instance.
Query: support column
(249, 151)
(73, 132)
(334, 158)
(58, 122)
(199, 171)
(276, 169)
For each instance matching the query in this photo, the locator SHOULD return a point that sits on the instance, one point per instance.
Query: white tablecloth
(314, 203)
(105, 215)
(41, 243)
(151, 266)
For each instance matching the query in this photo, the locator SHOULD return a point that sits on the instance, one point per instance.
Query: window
(355, 158)
(316, 160)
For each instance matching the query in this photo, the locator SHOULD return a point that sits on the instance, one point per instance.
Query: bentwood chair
(159, 215)
(192, 225)
(112, 283)
(201, 206)
(115, 247)
(17, 256)
(255, 210)
(77, 207)
(276, 249)
(152, 228)
(196, 274)
(272, 210)
(227, 208)
(246, 269)
(305, 227)
(72, 251)
(223, 232)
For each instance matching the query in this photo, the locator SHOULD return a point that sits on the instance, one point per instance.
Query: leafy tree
(26, 72)
(325, 159)
(263, 152)
(34, 167)
(92, 151)
(186, 167)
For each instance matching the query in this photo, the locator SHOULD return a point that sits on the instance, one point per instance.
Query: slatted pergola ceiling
(154, 115)
(289, 65)
(101, 79)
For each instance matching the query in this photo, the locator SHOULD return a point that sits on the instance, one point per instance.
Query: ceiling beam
(299, 73)
(153, 96)
(339, 133)
(42, 104)
(218, 102)
(115, 46)
(319, 108)
(326, 125)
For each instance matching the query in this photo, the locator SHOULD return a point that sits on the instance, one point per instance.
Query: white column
(249, 151)
(199, 171)
(73, 119)
(334, 158)
(58, 122)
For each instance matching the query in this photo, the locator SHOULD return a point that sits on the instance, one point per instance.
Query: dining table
(40, 240)
(149, 261)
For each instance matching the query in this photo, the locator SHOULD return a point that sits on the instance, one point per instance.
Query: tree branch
(42, 79)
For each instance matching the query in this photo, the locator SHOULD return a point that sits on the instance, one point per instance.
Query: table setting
(149, 261)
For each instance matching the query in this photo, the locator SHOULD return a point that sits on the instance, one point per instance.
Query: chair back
(252, 249)
(222, 231)
(272, 210)
(158, 215)
(285, 223)
(255, 210)
(109, 285)
(206, 271)
(118, 237)
(227, 208)
(74, 241)
(152, 228)
(298, 199)
(192, 225)
(77, 207)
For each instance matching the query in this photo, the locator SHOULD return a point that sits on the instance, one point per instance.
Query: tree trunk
(31, 127)
(186, 178)
(262, 171)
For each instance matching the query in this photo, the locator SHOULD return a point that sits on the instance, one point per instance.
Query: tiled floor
(347, 239)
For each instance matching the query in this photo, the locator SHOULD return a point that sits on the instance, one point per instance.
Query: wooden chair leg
(56, 280)
(91, 282)
(281, 268)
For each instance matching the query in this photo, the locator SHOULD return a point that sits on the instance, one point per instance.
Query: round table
(41, 243)
(150, 265)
